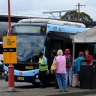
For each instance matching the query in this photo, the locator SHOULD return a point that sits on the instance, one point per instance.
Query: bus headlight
(37, 76)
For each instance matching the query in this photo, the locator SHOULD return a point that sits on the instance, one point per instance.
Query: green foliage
(74, 16)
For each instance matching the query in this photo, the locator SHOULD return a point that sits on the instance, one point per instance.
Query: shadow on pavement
(76, 93)
(27, 86)
(32, 86)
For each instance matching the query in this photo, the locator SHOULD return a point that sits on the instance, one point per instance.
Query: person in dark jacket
(68, 67)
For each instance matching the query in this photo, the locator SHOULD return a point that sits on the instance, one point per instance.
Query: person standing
(54, 54)
(68, 67)
(61, 71)
(78, 63)
(43, 68)
(88, 57)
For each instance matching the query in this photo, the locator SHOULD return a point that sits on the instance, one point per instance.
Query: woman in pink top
(61, 71)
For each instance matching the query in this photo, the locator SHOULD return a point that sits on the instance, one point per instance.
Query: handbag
(54, 66)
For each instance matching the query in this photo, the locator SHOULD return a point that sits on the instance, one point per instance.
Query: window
(26, 29)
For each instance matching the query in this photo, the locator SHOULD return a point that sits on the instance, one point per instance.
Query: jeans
(61, 80)
(69, 76)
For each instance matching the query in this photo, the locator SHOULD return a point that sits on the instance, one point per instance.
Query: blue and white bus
(40, 35)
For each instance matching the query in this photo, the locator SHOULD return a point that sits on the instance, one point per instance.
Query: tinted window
(26, 29)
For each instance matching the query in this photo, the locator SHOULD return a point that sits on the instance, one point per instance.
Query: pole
(73, 53)
(9, 18)
(79, 11)
(78, 8)
(10, 67)
(59, 15)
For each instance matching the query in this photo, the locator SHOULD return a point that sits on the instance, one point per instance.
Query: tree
(74, 15)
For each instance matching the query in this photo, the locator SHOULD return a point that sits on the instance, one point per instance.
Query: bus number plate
(20, 78)
(28, 67)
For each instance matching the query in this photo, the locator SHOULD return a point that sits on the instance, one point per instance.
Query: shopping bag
(54, 67)
(75, 80)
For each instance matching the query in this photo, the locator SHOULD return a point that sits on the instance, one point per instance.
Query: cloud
(36, 7)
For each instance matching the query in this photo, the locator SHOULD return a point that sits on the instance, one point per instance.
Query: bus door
(56, 44)
(55, 41)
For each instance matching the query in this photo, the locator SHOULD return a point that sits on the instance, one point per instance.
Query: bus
(1, 60)
(3, 31)
(39, 35)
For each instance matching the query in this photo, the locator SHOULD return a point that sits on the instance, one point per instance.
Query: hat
(67, 51)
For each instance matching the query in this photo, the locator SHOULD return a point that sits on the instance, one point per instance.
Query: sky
(35, 8)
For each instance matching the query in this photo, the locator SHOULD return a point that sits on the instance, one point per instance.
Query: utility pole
(78, 9)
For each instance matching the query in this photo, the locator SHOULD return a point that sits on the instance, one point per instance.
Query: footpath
(26, 89)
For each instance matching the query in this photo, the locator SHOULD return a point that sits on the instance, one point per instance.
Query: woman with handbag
(61, 71)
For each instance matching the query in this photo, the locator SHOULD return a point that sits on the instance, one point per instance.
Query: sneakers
(60, 90)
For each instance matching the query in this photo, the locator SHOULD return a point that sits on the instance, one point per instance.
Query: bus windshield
(29, 46)
(27, 29)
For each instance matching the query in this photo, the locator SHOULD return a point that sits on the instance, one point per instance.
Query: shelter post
(73, 52)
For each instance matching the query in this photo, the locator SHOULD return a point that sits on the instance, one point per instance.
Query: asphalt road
(26, 89)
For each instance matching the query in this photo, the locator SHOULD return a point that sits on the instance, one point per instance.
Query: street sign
(9, 50)
(9, 41)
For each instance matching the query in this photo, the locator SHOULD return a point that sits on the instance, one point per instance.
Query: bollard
(11, 78)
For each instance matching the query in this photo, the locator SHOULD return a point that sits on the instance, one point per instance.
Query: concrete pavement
(26, 89)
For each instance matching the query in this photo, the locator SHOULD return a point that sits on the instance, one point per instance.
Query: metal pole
(78, 8)
(9, 18)
(10, 67)
(73, 52)
(78, 11)
(59, 15)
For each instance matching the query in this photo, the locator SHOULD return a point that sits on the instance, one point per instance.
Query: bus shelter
(87, 37)
(88, 73)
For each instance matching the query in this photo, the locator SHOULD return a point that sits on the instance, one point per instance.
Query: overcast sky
(37, 7)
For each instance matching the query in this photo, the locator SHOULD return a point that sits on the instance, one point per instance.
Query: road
(26, 89)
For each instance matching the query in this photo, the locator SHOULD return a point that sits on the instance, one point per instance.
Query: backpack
(68, 61)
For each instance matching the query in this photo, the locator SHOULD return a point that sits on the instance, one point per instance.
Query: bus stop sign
(9, 50)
